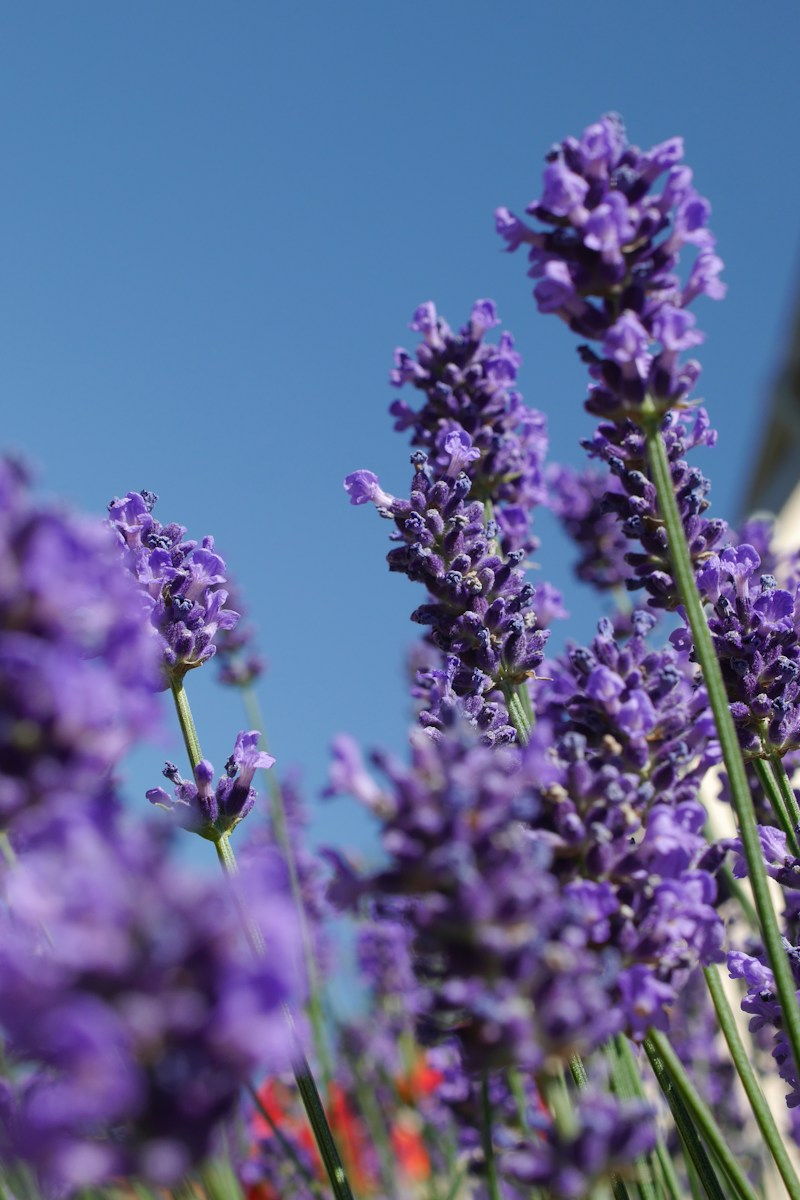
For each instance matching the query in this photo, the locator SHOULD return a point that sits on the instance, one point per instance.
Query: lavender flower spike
(606, 263)
(183, 582)
(78, 664)
(213, 812)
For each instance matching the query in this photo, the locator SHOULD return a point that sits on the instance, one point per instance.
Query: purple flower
(363, 488)
(632, 498)
(479, 607)
(505, 956)
(78, 662)
(606, 1135)
(579, 501)
(210, 811)
(754, 625)
(182, 581)
(469, 393)
(238, 665)
(607, 262)
(140, 1013)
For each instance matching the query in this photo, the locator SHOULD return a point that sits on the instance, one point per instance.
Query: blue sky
(217, 221)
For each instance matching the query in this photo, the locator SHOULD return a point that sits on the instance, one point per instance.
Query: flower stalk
(304, 1078)
(731, 753)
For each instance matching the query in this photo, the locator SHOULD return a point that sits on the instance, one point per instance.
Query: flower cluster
(582, 501)
(469, 387)
(622, 742)
(130, 1007)
(631, 497)
(238, 662)
(184, 582)
(754, 627)
(480, 608)
(762, 1004)
(506, 955)
(209, 811)
(610, 238)
(78, 664)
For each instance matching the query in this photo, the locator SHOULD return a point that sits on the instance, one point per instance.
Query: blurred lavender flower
(608, 1135)
(468, 388)
(183, 581)
(239, 665)
(131, 1006)
(611, 238)
(580, 500)
(506, 956)
(209, 811)
(78, 665)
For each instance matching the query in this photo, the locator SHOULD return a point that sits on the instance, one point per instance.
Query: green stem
(302, 1072)
(627, 1084)
(186, 722)
(287, 1147)
(787, 791)
(693, 1148)
(306, 1084)
(517, 713)
(758, 1103)
(669, 1175)
(671, 1068)
(492, 1177)
(7, 850)
(518, 1092)
(280, 826)
(767, 778)
(729, 742)
(578, 1071)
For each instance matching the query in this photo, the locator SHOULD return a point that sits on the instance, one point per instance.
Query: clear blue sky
(217, 220)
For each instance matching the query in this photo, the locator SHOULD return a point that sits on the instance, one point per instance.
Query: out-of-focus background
(217, 221)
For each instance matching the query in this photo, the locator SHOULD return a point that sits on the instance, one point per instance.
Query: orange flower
(409, 1149)
(421, 1080)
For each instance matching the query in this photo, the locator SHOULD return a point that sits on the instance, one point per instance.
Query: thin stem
(668, 1173)
(517, 714)
(758, 1103)
(309, 1094)
(578, 1071)
(219, 1181)
(492, 1178)
(657, 1047)
(626, 1083)
(767, 778)
(729, 742)
(302, 1072)
(289, 1150)
(785, 785)
(306, 1084)
(280, 825)
(186, 722)
(231, 870)
(693, 1148)
(7, 850)
(517, 1091)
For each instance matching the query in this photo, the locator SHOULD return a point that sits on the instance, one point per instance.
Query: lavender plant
(542, 1013)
